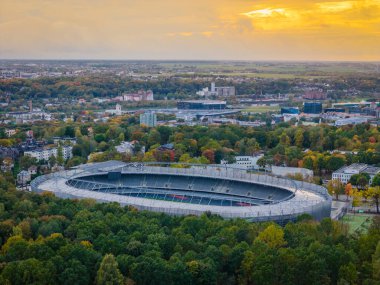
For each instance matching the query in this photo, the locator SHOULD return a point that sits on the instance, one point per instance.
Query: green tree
(60, 159)
(376, 263)
(109, 273)
(335, 162)
(27, 161)
(376, 180)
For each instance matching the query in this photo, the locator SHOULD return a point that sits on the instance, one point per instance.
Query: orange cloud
(214, 29)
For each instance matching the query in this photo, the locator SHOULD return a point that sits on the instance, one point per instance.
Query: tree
(376, 263)
(376, 180)
(335, 162)
(27, 161)
(362, 181)
(335, 187)
(273, 236)
(374, 194)
(284, 139)
(348, 190)
(210, 155)
(28, 271)
(262, 162)
(109, 273)
(60, 159)
(52, 160)
(308, 163)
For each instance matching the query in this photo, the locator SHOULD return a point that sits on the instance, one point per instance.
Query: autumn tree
(335, 187)
(373, 193)
(348, 190)
(273, 236)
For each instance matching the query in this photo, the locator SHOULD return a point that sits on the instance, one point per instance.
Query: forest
(47, 240)
(173, 86)
(322, 149)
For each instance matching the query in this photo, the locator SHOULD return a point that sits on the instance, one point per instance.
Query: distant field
(358, 222)
(262, 109)
(281, 70)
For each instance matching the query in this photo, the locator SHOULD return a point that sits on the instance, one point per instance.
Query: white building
(344, 174)
(117, 111)
(45, 154)
(217, 91)
(246, 162)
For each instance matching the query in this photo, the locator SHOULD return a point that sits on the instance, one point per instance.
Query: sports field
(357, 222)
(262, 109)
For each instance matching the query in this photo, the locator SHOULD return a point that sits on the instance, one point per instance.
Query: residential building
(344, 174)
(23, 177)
(64, 140)
(148, 119)
(45, 154)
(125, 147)
(32, 170)
(139, 96)
(11, 152)
(7, 164)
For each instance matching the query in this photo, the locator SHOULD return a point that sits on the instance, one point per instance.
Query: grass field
(357, 222)
(262, 109)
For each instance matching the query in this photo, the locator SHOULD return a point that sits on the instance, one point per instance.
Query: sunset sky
(195, 29)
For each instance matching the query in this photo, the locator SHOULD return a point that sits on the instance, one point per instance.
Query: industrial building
(290, 110)
(334, 110)
(351, 121)
(201, 105)
(312, 107)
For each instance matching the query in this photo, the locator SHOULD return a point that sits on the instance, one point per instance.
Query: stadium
(184, 189)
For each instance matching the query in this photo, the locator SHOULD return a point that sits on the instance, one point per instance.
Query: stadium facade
(190, 190)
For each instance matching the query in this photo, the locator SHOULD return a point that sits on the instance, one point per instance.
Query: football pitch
(357, 222)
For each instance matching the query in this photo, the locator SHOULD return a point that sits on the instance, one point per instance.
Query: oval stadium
(179, 189)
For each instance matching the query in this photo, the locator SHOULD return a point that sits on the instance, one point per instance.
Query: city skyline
(304, 30)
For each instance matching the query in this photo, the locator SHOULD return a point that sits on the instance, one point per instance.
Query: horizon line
(197, 60)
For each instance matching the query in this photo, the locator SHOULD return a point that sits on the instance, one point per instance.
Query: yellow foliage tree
(273, 236)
